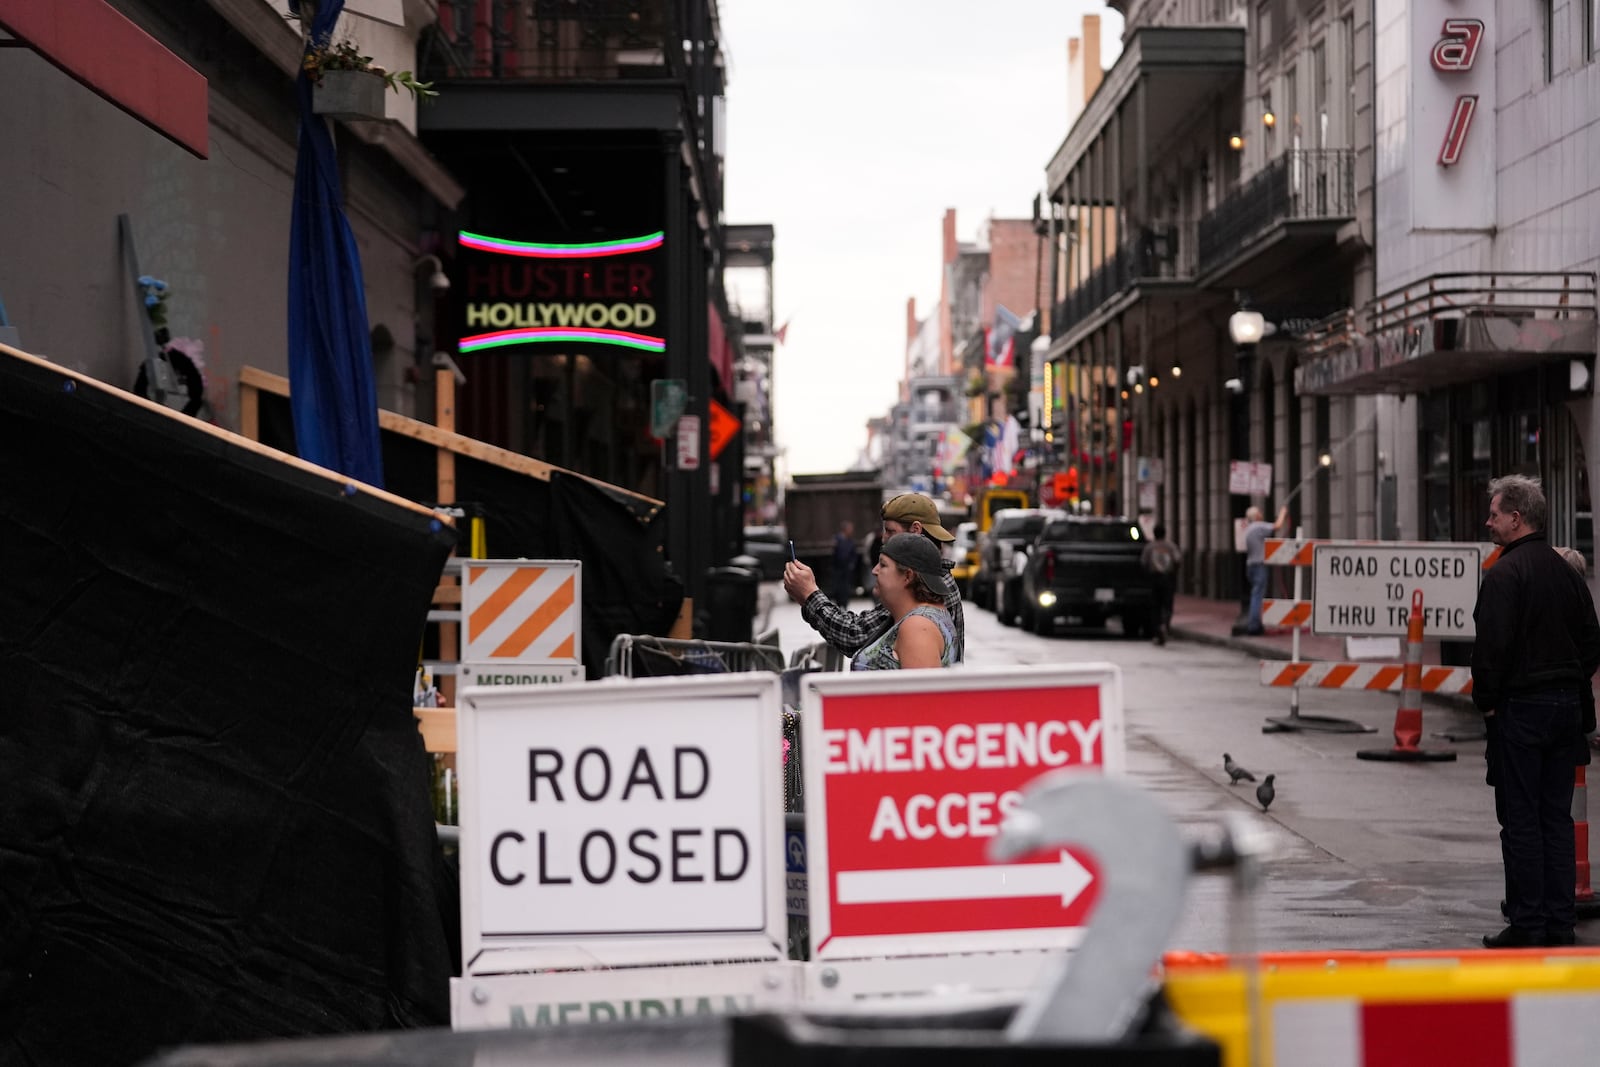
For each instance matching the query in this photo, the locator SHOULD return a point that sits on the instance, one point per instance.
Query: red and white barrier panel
(1290, 552)
(1524, 1029)
(1378, 677)
(1285, 614)
(1301, 552)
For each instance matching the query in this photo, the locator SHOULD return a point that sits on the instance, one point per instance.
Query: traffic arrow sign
(1066, 878)
(724, 425)
(909, 775)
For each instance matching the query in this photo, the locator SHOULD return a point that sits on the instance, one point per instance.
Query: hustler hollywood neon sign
(526, 292)
(1454, 53)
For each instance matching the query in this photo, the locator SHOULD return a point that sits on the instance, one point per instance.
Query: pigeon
(1265, 792)
(1235, 772)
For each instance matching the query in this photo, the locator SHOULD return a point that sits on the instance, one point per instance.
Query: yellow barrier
(1390, 1011)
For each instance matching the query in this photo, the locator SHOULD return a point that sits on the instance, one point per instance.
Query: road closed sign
(1364, 588)
(625, 822)
(909, 775)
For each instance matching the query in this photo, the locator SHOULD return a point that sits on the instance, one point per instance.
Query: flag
(781, 332)
(1001, 339)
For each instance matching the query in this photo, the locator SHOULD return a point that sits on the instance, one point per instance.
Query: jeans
(1536, 743)
(1257, 573)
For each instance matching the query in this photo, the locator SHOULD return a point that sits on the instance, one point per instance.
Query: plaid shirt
(849, 631)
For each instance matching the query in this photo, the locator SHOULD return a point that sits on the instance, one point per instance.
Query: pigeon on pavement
(1265, 792)
(1235, 772)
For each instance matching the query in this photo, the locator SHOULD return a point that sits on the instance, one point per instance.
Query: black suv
(1087, 568)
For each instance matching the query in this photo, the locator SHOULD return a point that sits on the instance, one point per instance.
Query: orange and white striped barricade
(1297, 613)
(521, 622)
(1408, 716)
(1371, 677)
(1490, 1008)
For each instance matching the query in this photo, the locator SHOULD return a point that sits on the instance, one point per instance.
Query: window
(1591, 30)
(1291, 107)
(1263, 27)
(1319, 93)
(1347, 42)
(1549, 27)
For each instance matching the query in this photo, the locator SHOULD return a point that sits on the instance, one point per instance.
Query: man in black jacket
(1537, 645)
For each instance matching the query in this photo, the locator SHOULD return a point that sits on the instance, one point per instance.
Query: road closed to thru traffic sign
(909, 775)
(622, 823)
(1364, 588)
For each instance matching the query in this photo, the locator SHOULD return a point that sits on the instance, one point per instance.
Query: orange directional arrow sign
(723, 426)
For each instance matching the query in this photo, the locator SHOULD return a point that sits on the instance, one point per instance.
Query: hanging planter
(349, 95)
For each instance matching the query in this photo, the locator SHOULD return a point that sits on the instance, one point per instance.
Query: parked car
(769, 545)
(964, 553)
(1013, 531)
(1086, 567)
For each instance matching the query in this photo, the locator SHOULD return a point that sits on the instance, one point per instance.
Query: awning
(1443, 351)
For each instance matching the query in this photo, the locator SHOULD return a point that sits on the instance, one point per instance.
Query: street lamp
(1246, 328)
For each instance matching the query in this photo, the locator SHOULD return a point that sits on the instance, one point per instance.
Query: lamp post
(1246, 328)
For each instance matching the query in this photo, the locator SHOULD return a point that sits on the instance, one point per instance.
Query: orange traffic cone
(1408, 717)
(1583, 897)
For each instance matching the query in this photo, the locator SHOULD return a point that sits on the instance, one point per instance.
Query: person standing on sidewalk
(1256, 532)
(1161, 560)
(842, 580)
(1537, 645)
(849, 632)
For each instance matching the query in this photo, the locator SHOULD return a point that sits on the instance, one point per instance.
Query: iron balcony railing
(1519, 294)
(1163, 251)
(560, 41)
(1301, 184)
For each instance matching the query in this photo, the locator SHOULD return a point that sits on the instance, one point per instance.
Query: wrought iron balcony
(1164, 251)
(1300, 185)
(559, 41)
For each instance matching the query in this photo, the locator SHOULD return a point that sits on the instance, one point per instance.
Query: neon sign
(1454, 53)
(531, 292)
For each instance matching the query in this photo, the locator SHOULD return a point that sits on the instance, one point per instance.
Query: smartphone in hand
(792, 556)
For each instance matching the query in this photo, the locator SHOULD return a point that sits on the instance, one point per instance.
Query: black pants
(1534, 744)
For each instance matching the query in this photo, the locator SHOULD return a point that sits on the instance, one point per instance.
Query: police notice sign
(1364, 588)
(636, 822)
(909, 775)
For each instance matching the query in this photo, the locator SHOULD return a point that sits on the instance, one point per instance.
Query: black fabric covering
(215, 821)
(626, 586)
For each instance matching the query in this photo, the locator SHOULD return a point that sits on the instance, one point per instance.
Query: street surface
(1368, 855)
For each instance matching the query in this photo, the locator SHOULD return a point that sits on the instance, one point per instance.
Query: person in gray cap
(911, 584)
(848, 631)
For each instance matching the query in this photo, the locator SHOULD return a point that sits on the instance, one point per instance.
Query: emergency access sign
(1364, 588)
(622, 823)
(909, 775)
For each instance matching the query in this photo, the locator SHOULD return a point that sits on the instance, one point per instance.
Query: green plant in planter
(344, 55)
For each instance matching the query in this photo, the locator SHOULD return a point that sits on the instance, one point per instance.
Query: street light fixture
(1246, 327)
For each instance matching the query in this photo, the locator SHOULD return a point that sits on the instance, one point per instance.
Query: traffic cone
(1408, 717)
(1583, 896)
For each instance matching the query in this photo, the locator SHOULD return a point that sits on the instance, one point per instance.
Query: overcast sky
(852, 125)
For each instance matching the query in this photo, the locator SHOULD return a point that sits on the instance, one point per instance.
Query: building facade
(591, 248)
(1481, 337)
(1223, 162)
(205, 181)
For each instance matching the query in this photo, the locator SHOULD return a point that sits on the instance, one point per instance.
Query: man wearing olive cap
(850, 631)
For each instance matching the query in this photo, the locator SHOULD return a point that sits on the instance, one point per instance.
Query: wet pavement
(1367, 855)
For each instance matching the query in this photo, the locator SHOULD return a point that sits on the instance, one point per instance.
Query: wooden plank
(278, 385)
(438, 726)
(234, 439)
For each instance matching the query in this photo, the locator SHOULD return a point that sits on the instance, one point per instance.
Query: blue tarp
(333, 397)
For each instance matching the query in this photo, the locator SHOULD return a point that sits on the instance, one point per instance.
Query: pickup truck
(996, 585)
(1087, 568)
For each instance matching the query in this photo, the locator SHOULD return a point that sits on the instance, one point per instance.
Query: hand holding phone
(792, 556)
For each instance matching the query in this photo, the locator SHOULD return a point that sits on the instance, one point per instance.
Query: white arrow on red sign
(1067, 878)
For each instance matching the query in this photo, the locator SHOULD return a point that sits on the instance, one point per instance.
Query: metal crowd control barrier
(643, 656)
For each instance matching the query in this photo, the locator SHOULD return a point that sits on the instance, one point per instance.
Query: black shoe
(1560, 938)
(1514, 937)
(1254, 633)
(1505, 912)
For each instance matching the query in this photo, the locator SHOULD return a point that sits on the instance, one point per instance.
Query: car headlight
(1047, 599)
